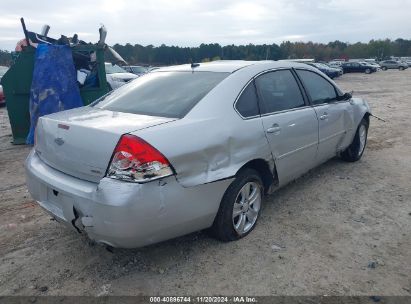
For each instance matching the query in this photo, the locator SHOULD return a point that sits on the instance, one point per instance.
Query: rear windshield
(165, 94)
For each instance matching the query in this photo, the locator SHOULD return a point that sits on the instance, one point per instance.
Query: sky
(192, 22)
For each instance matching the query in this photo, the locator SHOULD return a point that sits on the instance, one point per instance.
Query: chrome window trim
(329, 103)
(306, 102)
(299, 88)
(304, 95)
(238, 97)
(285, 111)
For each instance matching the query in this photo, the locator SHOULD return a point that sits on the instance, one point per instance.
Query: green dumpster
(17, 83)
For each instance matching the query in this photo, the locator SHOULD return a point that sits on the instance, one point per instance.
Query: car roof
(228, 66)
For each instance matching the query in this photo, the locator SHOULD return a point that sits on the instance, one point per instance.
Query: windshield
(138, 69)
(165, 94)
(111, 69)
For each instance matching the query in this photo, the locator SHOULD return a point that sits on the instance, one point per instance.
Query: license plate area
(60, 204)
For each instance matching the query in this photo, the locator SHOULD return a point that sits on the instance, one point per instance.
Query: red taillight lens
(135, 160)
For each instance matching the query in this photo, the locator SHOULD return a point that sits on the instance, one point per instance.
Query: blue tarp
(54, 87)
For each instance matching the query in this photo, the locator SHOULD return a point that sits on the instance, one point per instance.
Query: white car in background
(373, 64)
(335, 64)
(117, 76)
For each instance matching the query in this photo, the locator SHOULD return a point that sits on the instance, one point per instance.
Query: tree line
(168, 55)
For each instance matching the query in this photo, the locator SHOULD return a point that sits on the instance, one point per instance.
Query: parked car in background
(337, 61)
(136, 69)
(358, 67)
(335, 64)
(337, 67)
(190, 147)
(408, 62)
(373, 64)
(330, 72)
(117, 76)
(392, 64)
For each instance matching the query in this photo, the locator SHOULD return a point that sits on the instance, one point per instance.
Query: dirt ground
(342, 229)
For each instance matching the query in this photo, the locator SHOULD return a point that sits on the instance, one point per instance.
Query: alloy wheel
(247, 207)
(362, 132)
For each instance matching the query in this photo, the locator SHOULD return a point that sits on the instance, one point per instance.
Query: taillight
(135, 160)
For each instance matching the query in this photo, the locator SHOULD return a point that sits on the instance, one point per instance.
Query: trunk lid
(80, 142)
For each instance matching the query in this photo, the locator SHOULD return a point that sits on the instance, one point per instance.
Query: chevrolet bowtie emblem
(59, 141)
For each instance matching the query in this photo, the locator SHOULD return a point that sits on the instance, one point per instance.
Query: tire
(384, 68)
(356, 149)
(367, 71)
(401, 68)
(229, 226)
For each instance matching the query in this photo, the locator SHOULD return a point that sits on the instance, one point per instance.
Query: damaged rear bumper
(122, 214)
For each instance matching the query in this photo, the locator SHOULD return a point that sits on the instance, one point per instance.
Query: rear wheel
(401, 68)
(384, 68)
(357, 147)
(240, 207)
(367, 71)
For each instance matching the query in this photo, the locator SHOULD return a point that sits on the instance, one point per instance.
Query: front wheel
(240, 207)
(384, 68)
(357, 147)
(367, 71)
(401, 68)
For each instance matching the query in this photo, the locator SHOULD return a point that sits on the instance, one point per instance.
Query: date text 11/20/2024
(205, 299)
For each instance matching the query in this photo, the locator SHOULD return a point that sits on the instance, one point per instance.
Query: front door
(291, 125)
(334, 116)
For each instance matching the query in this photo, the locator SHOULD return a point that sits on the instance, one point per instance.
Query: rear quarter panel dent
(207, 150)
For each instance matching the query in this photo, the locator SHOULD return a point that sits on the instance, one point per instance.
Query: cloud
(191, 22)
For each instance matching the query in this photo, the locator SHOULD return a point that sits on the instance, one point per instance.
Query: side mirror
(346, 96)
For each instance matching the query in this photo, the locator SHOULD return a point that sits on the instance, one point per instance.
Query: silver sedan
(190, 147)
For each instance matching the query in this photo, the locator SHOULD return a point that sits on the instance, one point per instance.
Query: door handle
(324, 116)
(275, 128)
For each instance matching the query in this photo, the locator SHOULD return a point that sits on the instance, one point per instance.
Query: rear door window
(165, 94)
(278, 91)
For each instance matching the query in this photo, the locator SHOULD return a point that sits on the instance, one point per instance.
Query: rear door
(290, 124)
(334, 117)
